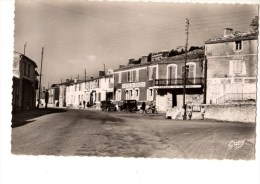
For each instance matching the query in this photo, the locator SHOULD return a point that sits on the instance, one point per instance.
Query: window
(118, 97)
(99, 96)
(190, 71)
(130, 76)
(172, 71)
(149, 94)
(238, 45)
(137, 76)
(137, 92)
(119, 77)
(151, 73)
(131, 93)
(237, 67)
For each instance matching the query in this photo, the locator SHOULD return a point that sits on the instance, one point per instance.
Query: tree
(173, 53)
(255, 23)
(149, 57)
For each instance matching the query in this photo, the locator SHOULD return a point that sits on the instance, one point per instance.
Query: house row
(25, 83)
(223, 71)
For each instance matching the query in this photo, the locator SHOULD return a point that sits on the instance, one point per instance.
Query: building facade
(231, 67)
(91, 91)
(25, 83)
(161, 81)
(169, 83)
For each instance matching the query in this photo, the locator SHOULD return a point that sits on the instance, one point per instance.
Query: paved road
(121, 134)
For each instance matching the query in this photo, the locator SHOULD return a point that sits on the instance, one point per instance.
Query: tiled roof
(195, 54)
(251, 35)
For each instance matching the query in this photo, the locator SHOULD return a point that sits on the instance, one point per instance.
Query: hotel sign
(134, 85)
(179, 86)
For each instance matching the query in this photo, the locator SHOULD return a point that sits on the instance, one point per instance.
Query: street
(74, 132)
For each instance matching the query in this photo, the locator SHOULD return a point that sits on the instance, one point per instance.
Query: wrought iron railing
(179, 81)
(229, 97)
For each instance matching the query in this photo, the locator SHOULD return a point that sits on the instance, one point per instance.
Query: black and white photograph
(134, 80)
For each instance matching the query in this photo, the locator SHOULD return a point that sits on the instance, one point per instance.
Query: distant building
(160, 55)
(92, 91)
(232, 67)
(25, 82)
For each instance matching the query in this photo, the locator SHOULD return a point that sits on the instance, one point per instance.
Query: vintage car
(107, 106)
(128, 105)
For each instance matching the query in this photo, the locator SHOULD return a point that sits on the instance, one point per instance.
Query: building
(159, 55)
(25, 83)
(135, 81)
(169, 83)
(92, 91)
(161, 81)
(54, 92)
(231, 67)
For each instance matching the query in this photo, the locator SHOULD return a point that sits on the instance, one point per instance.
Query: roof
(237, 36)
(195, 54)
(23, 57)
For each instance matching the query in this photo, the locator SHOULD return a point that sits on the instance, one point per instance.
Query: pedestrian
(143, 107)
(46, 99)
(202, 112)
(189, 113)
(88, 105)
(79, 105)
(84, 104)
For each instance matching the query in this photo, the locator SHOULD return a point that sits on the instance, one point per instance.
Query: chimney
(227, 31)
(101, 74)
(144, 59)
(75, 80)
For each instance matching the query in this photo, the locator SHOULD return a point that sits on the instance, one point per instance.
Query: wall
(232, 112)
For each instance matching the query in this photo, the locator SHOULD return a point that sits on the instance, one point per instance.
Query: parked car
(108, 106)
(128, 105)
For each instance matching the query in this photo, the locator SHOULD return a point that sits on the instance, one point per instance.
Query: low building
(232, 67)
(25, 83)
(92, 91)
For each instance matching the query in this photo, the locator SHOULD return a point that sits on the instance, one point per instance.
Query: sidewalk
(22, 118)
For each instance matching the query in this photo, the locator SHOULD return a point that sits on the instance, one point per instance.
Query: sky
(79, 35)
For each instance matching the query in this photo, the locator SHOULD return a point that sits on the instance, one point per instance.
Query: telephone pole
(39, 96)
(185, 62)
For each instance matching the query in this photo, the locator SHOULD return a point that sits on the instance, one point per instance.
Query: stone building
(231, 67)
(25, 83)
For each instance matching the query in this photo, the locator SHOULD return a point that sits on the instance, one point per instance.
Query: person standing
(143, 107)
(202, 112)
(84, 104)
(189, 113)
(46, 99)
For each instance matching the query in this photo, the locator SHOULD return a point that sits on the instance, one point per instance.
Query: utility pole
(39, 96)
(85, 72)
(24, 47)
(185, 70)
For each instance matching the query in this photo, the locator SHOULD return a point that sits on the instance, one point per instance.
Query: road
(121, 134)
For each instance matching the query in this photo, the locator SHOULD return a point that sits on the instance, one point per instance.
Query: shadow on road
(23, 118)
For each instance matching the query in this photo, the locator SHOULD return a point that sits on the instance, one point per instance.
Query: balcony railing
(179, 81)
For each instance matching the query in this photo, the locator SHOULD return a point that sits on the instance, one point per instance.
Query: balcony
(179, 82)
